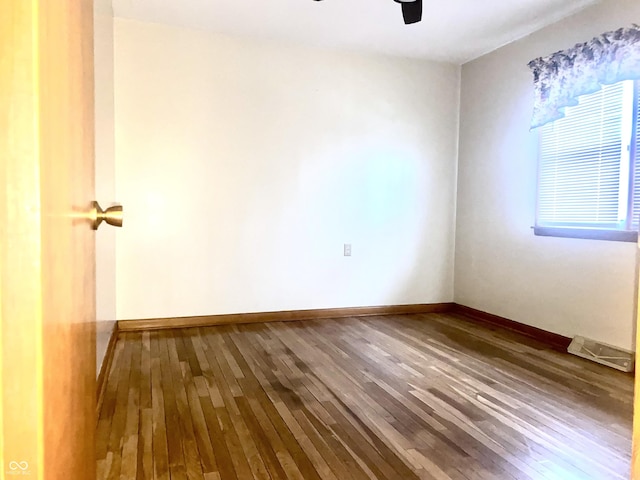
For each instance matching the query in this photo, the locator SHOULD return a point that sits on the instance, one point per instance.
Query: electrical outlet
(347, 249)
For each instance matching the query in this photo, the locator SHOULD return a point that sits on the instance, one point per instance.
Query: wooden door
(47, 273)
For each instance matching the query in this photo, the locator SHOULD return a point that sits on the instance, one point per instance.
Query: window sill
(588, 233)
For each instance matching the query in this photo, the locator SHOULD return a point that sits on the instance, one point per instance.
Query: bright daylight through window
(589, 167)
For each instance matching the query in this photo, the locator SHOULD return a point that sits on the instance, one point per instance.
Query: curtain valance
(560, 78)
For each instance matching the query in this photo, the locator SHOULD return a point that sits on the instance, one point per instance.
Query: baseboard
(101, 383)
(284, 316)
(552, 340)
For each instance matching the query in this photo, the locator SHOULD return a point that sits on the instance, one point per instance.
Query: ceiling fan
(411, 10)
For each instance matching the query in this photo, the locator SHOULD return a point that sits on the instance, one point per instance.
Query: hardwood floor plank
(361, 424)
(263, 444)
(200, 429)
(116, 435)
(228, 390)
(107, 409)
(175, 430)
(159, 429)
(224, 462)
(129, 465)
(419, 396)
(271, 442)
(193, 465)
(145, 435)
(269, 396)
(350, 425)
(256, 463)
(334, 452)
(254, 388)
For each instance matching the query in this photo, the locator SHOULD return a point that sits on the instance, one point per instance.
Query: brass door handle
(112, 215)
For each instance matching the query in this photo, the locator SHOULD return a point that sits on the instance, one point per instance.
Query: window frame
(594, 233)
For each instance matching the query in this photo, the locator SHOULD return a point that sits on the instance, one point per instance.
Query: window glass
(587, 174)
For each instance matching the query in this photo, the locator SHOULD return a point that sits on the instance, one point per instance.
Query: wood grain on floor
(428, 396)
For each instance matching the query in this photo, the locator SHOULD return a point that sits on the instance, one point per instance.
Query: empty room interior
(355, 248)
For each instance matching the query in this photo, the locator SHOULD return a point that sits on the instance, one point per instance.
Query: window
(589, 167)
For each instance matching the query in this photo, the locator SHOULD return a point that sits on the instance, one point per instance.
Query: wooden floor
(428, 396)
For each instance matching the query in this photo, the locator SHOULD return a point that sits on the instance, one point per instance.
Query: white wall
(105, 174)
(562, 285)
(245, 166)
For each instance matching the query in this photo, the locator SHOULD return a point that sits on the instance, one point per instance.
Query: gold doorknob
(112, 215)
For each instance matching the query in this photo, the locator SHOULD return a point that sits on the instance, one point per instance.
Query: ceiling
(451, 30)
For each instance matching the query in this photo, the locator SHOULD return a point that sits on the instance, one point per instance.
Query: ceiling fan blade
(412, 11)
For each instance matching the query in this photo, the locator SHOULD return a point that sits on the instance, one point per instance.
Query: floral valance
(560, 78)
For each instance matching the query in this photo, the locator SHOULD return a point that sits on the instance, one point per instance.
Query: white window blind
(586, 176)
(635, 154)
